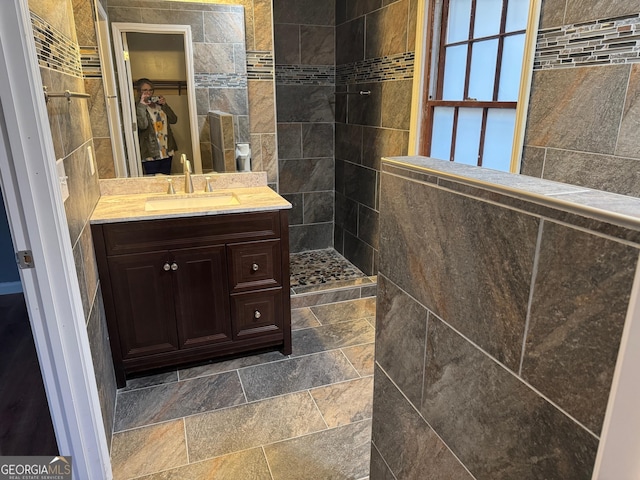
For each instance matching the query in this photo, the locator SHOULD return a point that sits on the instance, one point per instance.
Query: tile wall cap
(609, 207)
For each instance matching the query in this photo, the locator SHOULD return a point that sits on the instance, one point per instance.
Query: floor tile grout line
(318, 409)
(266, 459)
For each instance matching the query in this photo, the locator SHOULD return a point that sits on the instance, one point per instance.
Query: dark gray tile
(339, 453)
(359, 253)
(361, 186)
(317, 45)
(306, 175)
(532, 161)
(346, 214)
(368, 226)
(289, 140)
(349, 144)
(223, 27)
(599, 172)
(358, 8)
(453, 247)
(318, 207)
(296, 216)
(295, 374)
(562, 105)
(287, 44)
(367, 109)
(382, 142)
(410, 448)
(401, 336)
(309, 12)
(330, 337)
(305, 103)
(102, 364)
(246, 426)
(350, 38)
(378, 469)
(165, 402)
(317, 140)
(577, 315)
(469, 398)
(386, 30)
(310, 237)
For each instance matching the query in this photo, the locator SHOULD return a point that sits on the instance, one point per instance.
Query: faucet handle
(208, 187)
(186, 163)
(170, 189)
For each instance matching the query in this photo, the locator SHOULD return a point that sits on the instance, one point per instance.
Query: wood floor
(25, 421)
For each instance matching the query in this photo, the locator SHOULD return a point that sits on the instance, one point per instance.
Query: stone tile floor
(267, 416)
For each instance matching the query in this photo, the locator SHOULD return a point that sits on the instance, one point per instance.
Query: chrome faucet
(186, 167)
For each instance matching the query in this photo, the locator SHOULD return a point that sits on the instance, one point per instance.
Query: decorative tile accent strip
(305, 74)
(90, 59)
(601, 42)
(393, 67)
(259, 65)
(54, 49)
(220, 80)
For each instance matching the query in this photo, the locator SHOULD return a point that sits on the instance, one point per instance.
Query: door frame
(38, 223)
(128, 104)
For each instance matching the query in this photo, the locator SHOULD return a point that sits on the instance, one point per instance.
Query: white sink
(183, 202)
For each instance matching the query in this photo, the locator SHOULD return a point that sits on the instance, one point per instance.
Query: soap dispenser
(243, 157)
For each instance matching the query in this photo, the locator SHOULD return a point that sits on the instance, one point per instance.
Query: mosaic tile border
(392, 67)
(90, 60)
(54, 49)
(220, 80)
(260, 65)
(601, 42)
(305, 74)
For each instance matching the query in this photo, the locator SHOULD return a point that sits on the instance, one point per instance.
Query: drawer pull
(166, 267)
(255, 267)
(174, 266)
(257, 314)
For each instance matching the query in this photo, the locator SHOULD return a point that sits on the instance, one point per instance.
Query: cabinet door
(202, 296)
(143, 300)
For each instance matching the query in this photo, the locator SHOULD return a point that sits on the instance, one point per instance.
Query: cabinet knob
(255, 267)
(174, 266)
(166, 267)
(257, 314)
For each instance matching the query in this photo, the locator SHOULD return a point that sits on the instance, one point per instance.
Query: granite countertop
(117, 204)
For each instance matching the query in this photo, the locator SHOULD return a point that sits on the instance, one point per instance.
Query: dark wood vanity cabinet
(184, 290)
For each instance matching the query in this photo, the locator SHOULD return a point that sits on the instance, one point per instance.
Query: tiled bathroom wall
(498, 325)
(582, 125)
(71, 130)
(375, 44)
(223, 146)
(305, 83)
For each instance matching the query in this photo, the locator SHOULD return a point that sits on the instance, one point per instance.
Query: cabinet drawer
(256, 313)
(153, 235)
(254, 265)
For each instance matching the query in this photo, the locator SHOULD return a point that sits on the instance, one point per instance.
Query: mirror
(196, 56)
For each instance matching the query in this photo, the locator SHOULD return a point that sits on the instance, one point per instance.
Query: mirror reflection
(194, 55)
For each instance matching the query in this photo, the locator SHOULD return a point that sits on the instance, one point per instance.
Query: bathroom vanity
(189, 278)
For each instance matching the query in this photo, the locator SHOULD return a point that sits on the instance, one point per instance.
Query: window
(477, 55)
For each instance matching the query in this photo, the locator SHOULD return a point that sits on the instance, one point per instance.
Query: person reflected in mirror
(154, 117)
